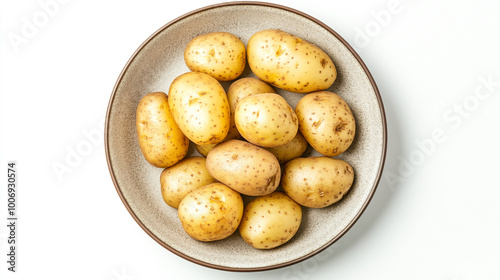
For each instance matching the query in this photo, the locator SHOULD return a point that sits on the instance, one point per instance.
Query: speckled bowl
(160, 59)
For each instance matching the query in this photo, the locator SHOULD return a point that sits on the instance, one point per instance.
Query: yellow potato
(180, 179)
(204, 149)
(266, 120)
(244, 167)
(239, 89)
(270, 221)
(326, 122)
(212, 212)
(289, 62)
(161, 141)
(219, 54)
(290, 150)
(317, 182)
(199, 106)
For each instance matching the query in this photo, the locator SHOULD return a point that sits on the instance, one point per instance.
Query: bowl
(160, 59)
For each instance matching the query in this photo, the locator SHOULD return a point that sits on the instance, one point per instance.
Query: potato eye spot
(279, 51)
(192, 100)
(317, 123)
(323, 63)
(340, 126)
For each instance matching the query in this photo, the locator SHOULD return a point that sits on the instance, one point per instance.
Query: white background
(435, 215)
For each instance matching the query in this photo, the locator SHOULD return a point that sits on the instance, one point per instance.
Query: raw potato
(290, 150)
(289, 62)
(237, 91)
(266, 120)
(244, 167)
(270, 221)
(326, 122)
(182, 178)
(317, 182)
(161, 141)
(212, 212)
(219, 54)
(204, 149)
(199, 105)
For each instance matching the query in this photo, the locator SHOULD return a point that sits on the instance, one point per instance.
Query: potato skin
(290, 150)
(244, 167)
(238, 90)
(161, 141)
(212, 212)
(289, 62)
(180, 179)
(204, 149)
(317, 182)
(219, 54)
(326, 121)
(266, 120)
(270, 221)
(200, 108)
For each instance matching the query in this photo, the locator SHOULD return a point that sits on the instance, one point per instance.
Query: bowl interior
(160, 59)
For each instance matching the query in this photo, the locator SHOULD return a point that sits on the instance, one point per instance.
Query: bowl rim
(274, 266)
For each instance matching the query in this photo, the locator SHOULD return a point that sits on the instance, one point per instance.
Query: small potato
(219, 54)
(212, 212)
(237, 91)
(161, 141)
(290, 63)
(290, 150)
(270, 221)
(244, 167)
(266, 120)
(199, 106)
(204, 149)
(326, 122)
(180, 179)
(317, 182)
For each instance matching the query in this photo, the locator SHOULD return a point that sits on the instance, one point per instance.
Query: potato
(266, 120)
(219, 54)
(161, 141)
(290, 150)
(239, 89)
(244, 167)
(199, 106)
(317, 182)
(212, 212)
(326, 122)
(270, 221)
(290, 63)
(204, 149)
(182, 178)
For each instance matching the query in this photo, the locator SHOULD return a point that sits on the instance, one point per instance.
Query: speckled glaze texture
(160, 60)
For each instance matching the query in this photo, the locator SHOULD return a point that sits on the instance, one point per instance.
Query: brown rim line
(253, 269)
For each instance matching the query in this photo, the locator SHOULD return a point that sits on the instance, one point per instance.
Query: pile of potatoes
(251, 139)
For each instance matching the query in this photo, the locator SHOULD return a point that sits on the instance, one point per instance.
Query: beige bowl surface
(160, 59)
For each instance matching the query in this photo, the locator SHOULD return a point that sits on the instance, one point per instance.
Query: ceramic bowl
(160, 59)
